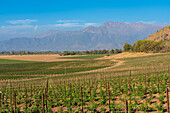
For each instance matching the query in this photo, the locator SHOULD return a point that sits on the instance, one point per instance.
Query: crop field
(84, 57)
(8, 61)
(109, 84)
(47, 68)
(144, 61)
(41, 58)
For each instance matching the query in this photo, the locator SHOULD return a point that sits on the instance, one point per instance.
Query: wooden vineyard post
(105, 84)
(11, 96)
(31, 90)
(119, 81)
(34, 88)
(81, 101)
(47, 86)
(90, 87)
(46, 95)
(109, 96)
(126, 106)
(168, 76)
(3, 96)
(25, 98)
(0, 99)
(129, 81)
(167, 96)
(158, 82)
(43, 103)
(145, 84)
(100, 76)
(149, 81)
(130, 86)
(64, 92)
(15, 103)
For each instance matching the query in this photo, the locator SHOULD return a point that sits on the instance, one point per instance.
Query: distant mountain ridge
(108, 35)
(161, 35)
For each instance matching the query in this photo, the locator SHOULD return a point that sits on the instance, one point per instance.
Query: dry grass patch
(42, 58)
(129, 55)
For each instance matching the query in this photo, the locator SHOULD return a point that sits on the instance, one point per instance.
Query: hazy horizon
(30, 18)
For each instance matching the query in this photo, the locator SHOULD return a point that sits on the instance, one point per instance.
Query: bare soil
(42, 58)
(128, 55)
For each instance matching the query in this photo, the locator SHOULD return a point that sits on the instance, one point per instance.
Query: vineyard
(140, 89)
(46, 68)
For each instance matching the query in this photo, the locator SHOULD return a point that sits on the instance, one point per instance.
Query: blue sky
(27, 18)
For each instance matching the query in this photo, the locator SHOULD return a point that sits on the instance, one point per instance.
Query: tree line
(148, 46)
(104, 51)
(26, 52)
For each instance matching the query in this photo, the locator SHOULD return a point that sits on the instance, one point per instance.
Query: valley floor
(94, 83)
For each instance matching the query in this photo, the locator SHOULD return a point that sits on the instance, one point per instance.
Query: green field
(85, 57)
(7, 61)
(90, 91)
(139, 81)
(16, 67)
(47, 68)
(145, 61)
(17, 77)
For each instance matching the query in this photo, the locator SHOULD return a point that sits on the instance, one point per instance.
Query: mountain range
(107, 36)
(161, 35)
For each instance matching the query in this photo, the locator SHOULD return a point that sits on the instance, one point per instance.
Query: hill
(161, 35)
(108, 35)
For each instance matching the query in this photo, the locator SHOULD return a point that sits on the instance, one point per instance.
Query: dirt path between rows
(83, 72)
(16, 80)
(103, 69)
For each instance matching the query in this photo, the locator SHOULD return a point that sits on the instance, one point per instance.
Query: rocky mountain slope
(108, 35)
(161, 35)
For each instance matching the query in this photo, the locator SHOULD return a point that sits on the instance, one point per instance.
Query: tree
(87, 52)
(11, 52)
(148, 46)
(116, 50)
(111, 51)
(104, 51)
(136, 46)
(127, 47)
(95, 52)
